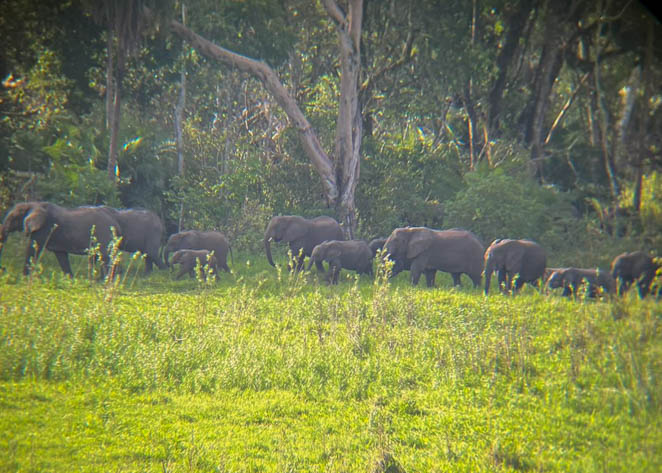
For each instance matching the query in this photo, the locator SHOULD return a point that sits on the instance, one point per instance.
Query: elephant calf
(352, 254)
(188, 259)
(571, 278)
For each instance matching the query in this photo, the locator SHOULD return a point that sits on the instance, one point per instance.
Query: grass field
(268, 372)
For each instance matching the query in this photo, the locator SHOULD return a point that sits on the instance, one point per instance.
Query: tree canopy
(381, 113)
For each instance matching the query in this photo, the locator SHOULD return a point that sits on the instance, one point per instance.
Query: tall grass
(530, 382)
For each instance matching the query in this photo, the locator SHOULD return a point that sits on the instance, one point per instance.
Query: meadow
(273, 372)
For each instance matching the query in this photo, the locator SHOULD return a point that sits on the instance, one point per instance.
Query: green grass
(263, 371)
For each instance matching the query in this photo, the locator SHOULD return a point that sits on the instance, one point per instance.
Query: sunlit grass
(267, 370)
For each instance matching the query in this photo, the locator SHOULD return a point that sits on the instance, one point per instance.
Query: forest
(493, 124)
(531, 119)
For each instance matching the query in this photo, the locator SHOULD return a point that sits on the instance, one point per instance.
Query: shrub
(497, 205)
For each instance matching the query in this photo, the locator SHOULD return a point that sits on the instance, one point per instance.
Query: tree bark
(517, 22)
(113, 170)
(349, 125)
(647, 80)
(271, 82)
(339, 175)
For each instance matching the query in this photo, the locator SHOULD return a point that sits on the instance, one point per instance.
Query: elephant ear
(333, 252)
(34, 221)
(294, 231)
(418, 243)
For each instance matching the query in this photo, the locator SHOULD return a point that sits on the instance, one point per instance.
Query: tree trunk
(271, 82)
(602, 115)
(113, 170)
(110, 71)
(516, 23)
(349, 125)
(647, 80)
(179, 116)
(340, 175)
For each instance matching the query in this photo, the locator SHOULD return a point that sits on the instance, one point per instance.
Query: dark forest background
(533, 119)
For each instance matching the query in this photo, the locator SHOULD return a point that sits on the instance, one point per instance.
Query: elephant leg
(63, 260)
(320, 266)
(416, 270)
(518, 284)
(336, 273)
(149, 263)
(429, 277)
(504, 282)
(32, 254)
(457, 279)
(643, 285)
(566, 291)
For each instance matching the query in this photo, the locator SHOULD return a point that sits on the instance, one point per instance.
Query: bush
(497, 205)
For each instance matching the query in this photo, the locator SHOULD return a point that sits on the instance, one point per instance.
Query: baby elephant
(188, 259)
(571, 278)
(352, 254)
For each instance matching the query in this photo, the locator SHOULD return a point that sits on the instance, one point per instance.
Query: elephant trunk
(267, 248)
(166, 256)
(489, 269)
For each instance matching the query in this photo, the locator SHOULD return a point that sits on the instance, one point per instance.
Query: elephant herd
(419, 250)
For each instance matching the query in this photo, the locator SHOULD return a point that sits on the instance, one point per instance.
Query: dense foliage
(472, 116)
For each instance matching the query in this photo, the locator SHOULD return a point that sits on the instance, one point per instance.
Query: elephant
(634, 266)
(195, 240)
(571, 278)
(376, 245)
(142, 230)
(525, 259)
(425, 250)
(188, 259)
(60, 230)
(351, 254)
(302, 235)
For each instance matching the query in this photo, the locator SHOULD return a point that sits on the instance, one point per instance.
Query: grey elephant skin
(301, 234)
(522, 260)
(60, 230)
(196, 240)
(188, 260)
(142, 230)
(351, 254)
(570, 279)
(635, 266)
(376, 245)
(424, 250)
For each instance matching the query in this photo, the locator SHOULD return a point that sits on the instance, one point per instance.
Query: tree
(339, 172)
(125, 24)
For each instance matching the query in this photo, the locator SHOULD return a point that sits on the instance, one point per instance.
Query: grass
(264, 371)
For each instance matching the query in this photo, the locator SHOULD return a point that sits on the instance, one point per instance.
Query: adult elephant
(634, 266)
(60, 230)
(510, 258)
(142, 230)
(423, 250)
(301, 234)
(196, 240)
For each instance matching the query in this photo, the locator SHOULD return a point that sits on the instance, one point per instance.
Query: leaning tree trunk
(339, 175)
